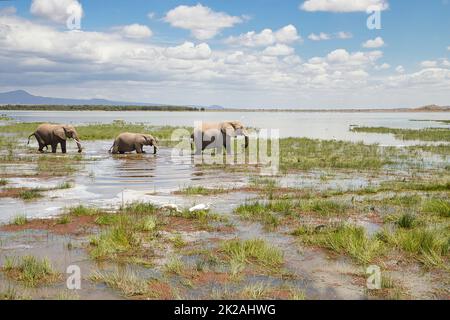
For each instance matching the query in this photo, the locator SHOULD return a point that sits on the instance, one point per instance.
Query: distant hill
(432, 108)
(21, 97)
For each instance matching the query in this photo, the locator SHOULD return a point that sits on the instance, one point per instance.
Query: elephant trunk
(77, 140)
(247, 139)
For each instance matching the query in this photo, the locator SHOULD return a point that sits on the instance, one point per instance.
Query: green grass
(11, 294)
(437, 206)
(128, 283)
(427, 134)
(64, 185)
(406, 221)
(253, 251)
(20, 220)
(107, 219)
(80, 211)
(31, 194)
(4, 117)
(30, 270)
(3, 182)
(139, 208)
(117, 239)
(323, 207)
(305, 154)
(199, 190)
(174, 266)
(257, 211)
(343, 239)
(65, 219)
(428, 245)
(268, 213)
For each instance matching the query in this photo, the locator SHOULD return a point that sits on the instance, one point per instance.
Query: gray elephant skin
(53, 134)
(129, 142)
(217, 135)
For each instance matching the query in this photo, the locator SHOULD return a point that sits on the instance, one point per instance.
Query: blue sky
(313, 53)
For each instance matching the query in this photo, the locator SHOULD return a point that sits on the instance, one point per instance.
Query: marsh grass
(3, 182)
(11, 294)
(255, 291)
(343, 239)
(107, 219)
(115, 240)
(427, 245)
(253, 251)
(31, 194)
(305, 154)
(20, 220)
(30, 270)
(199, 190)
(437, 206)
(257, 211)
(128, 283)
(174, 266)
(323, 207)
(406, 221)
(80, 211)
(427, 134)
(65, 219)
(139, 208)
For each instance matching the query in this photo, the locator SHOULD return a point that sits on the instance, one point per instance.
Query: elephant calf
(129, 142)
(54, 134)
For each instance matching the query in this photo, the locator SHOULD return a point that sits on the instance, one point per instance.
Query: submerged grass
(427, 134)
(428, 245)
(128, 283)
(30, 270)
(343, 239)
(253, 251)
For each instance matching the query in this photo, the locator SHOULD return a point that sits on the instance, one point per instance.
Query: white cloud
(266, 37)
(338, 56)
(343, 5)
(278, 50)
(428, 64)
(7, 11)
(325, 36)
(400, 69)
(319, 37)
(344, 35)
(56, 10)
(46, 59)
(134, 31)
(189, 51)
(383, 66)
(378, 42)
(151, 15)
(203, 22)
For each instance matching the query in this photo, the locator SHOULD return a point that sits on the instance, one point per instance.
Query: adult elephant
(53, 134)
(218, 135)
(129, 142)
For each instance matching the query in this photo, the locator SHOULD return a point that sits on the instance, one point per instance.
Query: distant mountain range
(21, 97)
(25, 98)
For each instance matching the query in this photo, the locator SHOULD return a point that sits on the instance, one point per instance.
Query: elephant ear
(227, 128)
(60, 133)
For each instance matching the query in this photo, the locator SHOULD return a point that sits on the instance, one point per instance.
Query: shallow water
(318, 125)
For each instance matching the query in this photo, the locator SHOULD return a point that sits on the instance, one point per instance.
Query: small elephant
(217, 135)
(53, 134)
(129, 142)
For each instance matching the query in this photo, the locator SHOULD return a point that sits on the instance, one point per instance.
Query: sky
(246, 54)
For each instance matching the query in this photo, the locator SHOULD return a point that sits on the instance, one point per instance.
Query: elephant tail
(31, 135)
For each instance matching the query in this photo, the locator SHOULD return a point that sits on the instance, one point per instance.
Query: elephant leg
(138, 148)
(64, 146)
(54, 147)
(41, 147)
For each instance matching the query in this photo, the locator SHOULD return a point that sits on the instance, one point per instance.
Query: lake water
(320, 125)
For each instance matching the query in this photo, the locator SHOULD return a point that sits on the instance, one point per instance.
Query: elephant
(53, 134)
(218, 135)
(128, 142)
